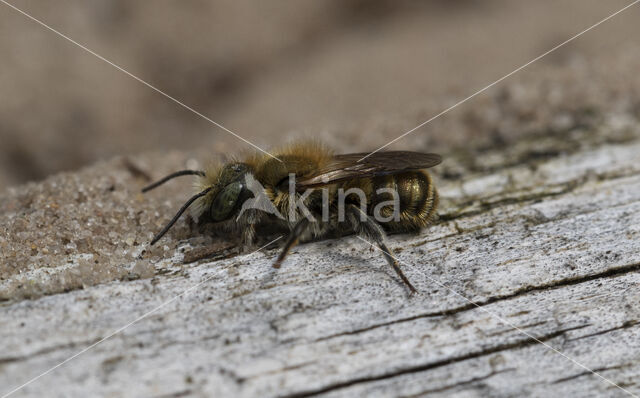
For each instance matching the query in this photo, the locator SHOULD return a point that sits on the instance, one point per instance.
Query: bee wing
(348, 166)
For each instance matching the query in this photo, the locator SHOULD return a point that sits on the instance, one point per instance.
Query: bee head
(225, 194)
(231, 192)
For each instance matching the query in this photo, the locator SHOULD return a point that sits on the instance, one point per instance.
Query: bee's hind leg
(293, 239)
(367, 227)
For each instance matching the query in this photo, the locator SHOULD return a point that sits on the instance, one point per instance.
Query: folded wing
(349, 166)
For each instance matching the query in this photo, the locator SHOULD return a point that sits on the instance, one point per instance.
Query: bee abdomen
(415, 203)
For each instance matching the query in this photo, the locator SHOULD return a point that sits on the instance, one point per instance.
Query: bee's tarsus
(172, 176)
(396, 267)
(178, 214)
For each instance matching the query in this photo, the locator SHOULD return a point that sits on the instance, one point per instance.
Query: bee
(313, 193)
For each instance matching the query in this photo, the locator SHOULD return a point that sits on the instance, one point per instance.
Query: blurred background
(357, 73)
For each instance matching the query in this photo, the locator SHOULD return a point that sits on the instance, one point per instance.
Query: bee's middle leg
(299, 229)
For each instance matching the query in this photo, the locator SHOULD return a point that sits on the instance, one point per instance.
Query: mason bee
(313, 193)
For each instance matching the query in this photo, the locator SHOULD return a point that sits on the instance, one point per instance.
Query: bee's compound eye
(226, 200)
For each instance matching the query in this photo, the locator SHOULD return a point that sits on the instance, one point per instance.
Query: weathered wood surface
(538, 235)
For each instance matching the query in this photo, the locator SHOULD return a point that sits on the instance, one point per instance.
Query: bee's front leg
(248, 236)
(247, 224)
(217, 251)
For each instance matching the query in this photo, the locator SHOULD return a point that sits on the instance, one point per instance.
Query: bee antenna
(171, 176)
(177, 216)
